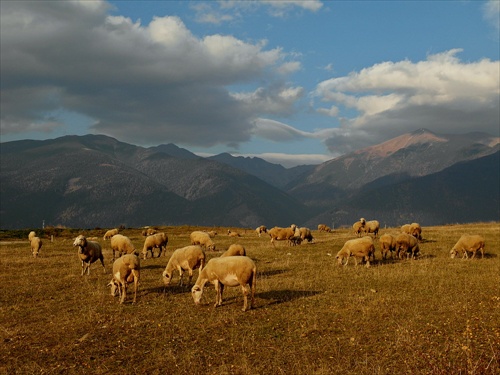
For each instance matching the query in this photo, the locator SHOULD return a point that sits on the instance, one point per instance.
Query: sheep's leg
(245, 297)
(136, 284)
(190, 273)
(102, 262)
(217, 291)
(180, 276)
(123, 292)
(221, 290)
(473, 254)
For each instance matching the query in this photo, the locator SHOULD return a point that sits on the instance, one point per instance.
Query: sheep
(202, 239)
(406, 244)
(212, 233)
(359, 247)
(416, 231)
(387, 243)
(36, 245)
(31, 235)
(88, 252)
(227, 271)
(372, 226)
(295, 240)
(122, 245)
(467, 243)
(159, 240)
(186, 258)
(358, 228)
(405, 228)
(149, 232)
(234, 250)
(126, 269)
(281, 234)
(305, 234)
(110, 233)
(230, 233)
(261, 229)
(324, 228)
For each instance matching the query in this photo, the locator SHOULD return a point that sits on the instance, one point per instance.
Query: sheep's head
(211, 247)
(453, 253)
(196, 292)
(167, 278)
(80, 241)
(114, 287)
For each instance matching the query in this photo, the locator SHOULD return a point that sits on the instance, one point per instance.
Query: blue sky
(293, 82)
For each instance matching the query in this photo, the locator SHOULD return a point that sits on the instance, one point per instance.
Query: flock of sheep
(234, 267)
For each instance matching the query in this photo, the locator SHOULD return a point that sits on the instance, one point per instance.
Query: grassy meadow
(433, 315)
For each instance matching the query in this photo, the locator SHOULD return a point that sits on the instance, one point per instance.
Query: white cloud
(441, 93)
(124, 76)
(491, 13)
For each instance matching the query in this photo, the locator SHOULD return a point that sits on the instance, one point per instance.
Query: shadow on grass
(281, 296)
(269, 273)
(152, 267)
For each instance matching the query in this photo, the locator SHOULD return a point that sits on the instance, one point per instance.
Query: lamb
(227, 271)
(202, 239)
(36, 245)
(324, 228)
(234, 250)
(416, 231)
(281, 234)
(372, 226)
(261, 229)
(359, 247)
(358, 228)
(466, 243)
(230, 233)
(159, 240)
(126, 269)
(387, 243)
(110, 233)
(88, 252)
(305, 234)
(122, 245)
(186, 258)
(406, 244)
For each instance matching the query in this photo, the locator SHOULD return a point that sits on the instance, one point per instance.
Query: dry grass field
(433, 315)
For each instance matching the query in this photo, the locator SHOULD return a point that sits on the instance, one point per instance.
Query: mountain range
(97, 181)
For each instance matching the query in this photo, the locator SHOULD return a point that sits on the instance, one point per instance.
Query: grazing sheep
(387, 244)
(358, 228)
(126, 269)
(295, 240)
(281, 234)
(202, 239)
(359, 247)
(467, 243)
(234, 250)
(230, 233)
(110, 233)
(416, 231)
(122, 245)
(149, 232)
(305, 234)
(88, 252)
(227, 271)
(212, 233)
(324, 228)
(406, 244)
(186, 258)
(405, 228)
(158, 240)
(36, 245)
(261, 229)
(372, 226)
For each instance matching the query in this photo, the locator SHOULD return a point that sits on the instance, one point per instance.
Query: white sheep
(324, 228)
(157, 240)
(406, 244)
(88, 252)
(281, 234)
(416, 231)
(186, 258)
(466, 243)
(212, 233)
(359, 247)
(306, 234)
(227, 271)
(387, 244)
(405, 228)
(149, 232)
(261, 229)
(372, 226)
(231, 233)
(126, 269)
(110, 233)
(122, 245)
(358, 228)
(36, 245)
(31, 235)
(203, 239)
(234, 250)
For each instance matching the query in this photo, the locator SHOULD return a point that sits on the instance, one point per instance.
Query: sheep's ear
(195, 288)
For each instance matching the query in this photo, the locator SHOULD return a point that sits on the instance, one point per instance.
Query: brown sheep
(88, 252)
